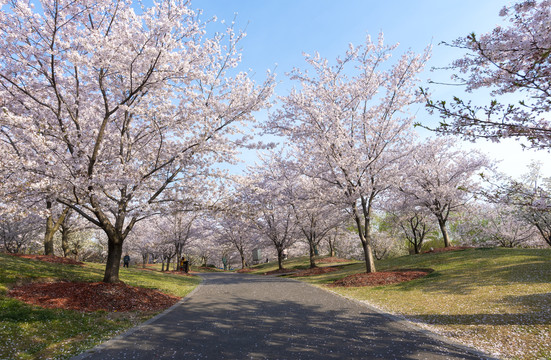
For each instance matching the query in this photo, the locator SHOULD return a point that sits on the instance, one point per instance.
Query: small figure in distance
(126, 261)
(184, 265)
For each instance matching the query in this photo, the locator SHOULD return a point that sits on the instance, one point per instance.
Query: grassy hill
(31, 332)
(498, 300)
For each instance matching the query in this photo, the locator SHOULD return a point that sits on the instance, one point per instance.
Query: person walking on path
(126, 261)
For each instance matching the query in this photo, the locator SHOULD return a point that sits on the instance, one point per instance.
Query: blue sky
(279, 31)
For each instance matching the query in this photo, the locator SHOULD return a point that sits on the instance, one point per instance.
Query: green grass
(32, 332)
(498, 300)
(298, 263)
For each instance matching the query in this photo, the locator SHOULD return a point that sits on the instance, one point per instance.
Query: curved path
(238, 316)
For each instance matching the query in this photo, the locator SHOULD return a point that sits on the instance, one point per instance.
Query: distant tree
(267, 210)
(18, 232)
(509, 59)
(233, 228)
(507, 228)
(75, 231)
(350, 125)
(413, 221)
(441, 178)
(315, 216)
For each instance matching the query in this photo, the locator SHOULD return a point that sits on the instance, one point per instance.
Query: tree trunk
(65, 241)
(442, 224)
(280, 258)
(51, 227)
(364, 232)
(312, 254)
(416, 246)
(49, 236)
(145, 257)
(368, 256)
(241, 253)
(114, 254)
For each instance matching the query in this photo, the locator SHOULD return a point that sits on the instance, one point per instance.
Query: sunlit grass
(32, 332)
(298, 263)
(498, 300)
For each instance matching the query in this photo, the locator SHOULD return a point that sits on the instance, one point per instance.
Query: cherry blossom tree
(268, 211)
(18, 232)
(73, 229)
(233, 228)
(142, 240)
(532, 197)
(119, 113)
(507, 228)
(314, 216)
(413, 221)
(350, 123)
(513, 58)
(441, 178)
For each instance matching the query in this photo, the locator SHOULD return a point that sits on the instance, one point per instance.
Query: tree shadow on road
(308, 325)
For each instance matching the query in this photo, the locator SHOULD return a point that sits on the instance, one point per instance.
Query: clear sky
(279, 31)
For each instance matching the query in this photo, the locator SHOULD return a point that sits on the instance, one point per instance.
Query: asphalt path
(239, 316)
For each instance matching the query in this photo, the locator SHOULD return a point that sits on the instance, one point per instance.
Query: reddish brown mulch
(317, 271)
(449, 248)
(329, 260)
(177, 272)
(50, 259)
(279, 271)
(380, 278)
(244, 271)
(83, 296)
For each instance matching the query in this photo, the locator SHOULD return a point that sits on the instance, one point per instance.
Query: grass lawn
(31, 332)
(498, 300)
(298, 263)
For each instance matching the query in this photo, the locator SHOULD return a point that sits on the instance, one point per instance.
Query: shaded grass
(498, 300)
(32, 332)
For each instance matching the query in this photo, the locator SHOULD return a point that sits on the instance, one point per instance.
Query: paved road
(237, 316)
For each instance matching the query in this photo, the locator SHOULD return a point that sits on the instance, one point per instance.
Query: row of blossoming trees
(117, 118)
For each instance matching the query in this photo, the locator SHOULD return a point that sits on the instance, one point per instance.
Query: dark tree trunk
(65, 241)
(416, 246)
(145, 257)
(442, 224)
(49, 237)
(241, 253)
(114, 254)
(280, 258)
(312, 254)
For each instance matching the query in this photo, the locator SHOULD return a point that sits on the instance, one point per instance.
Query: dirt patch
(82, 296)
(176, 272)
(316, 271)
(330, 260)
(50, 259)
(244, 271)
(279, 271)
(381, 278)
(449, 248)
